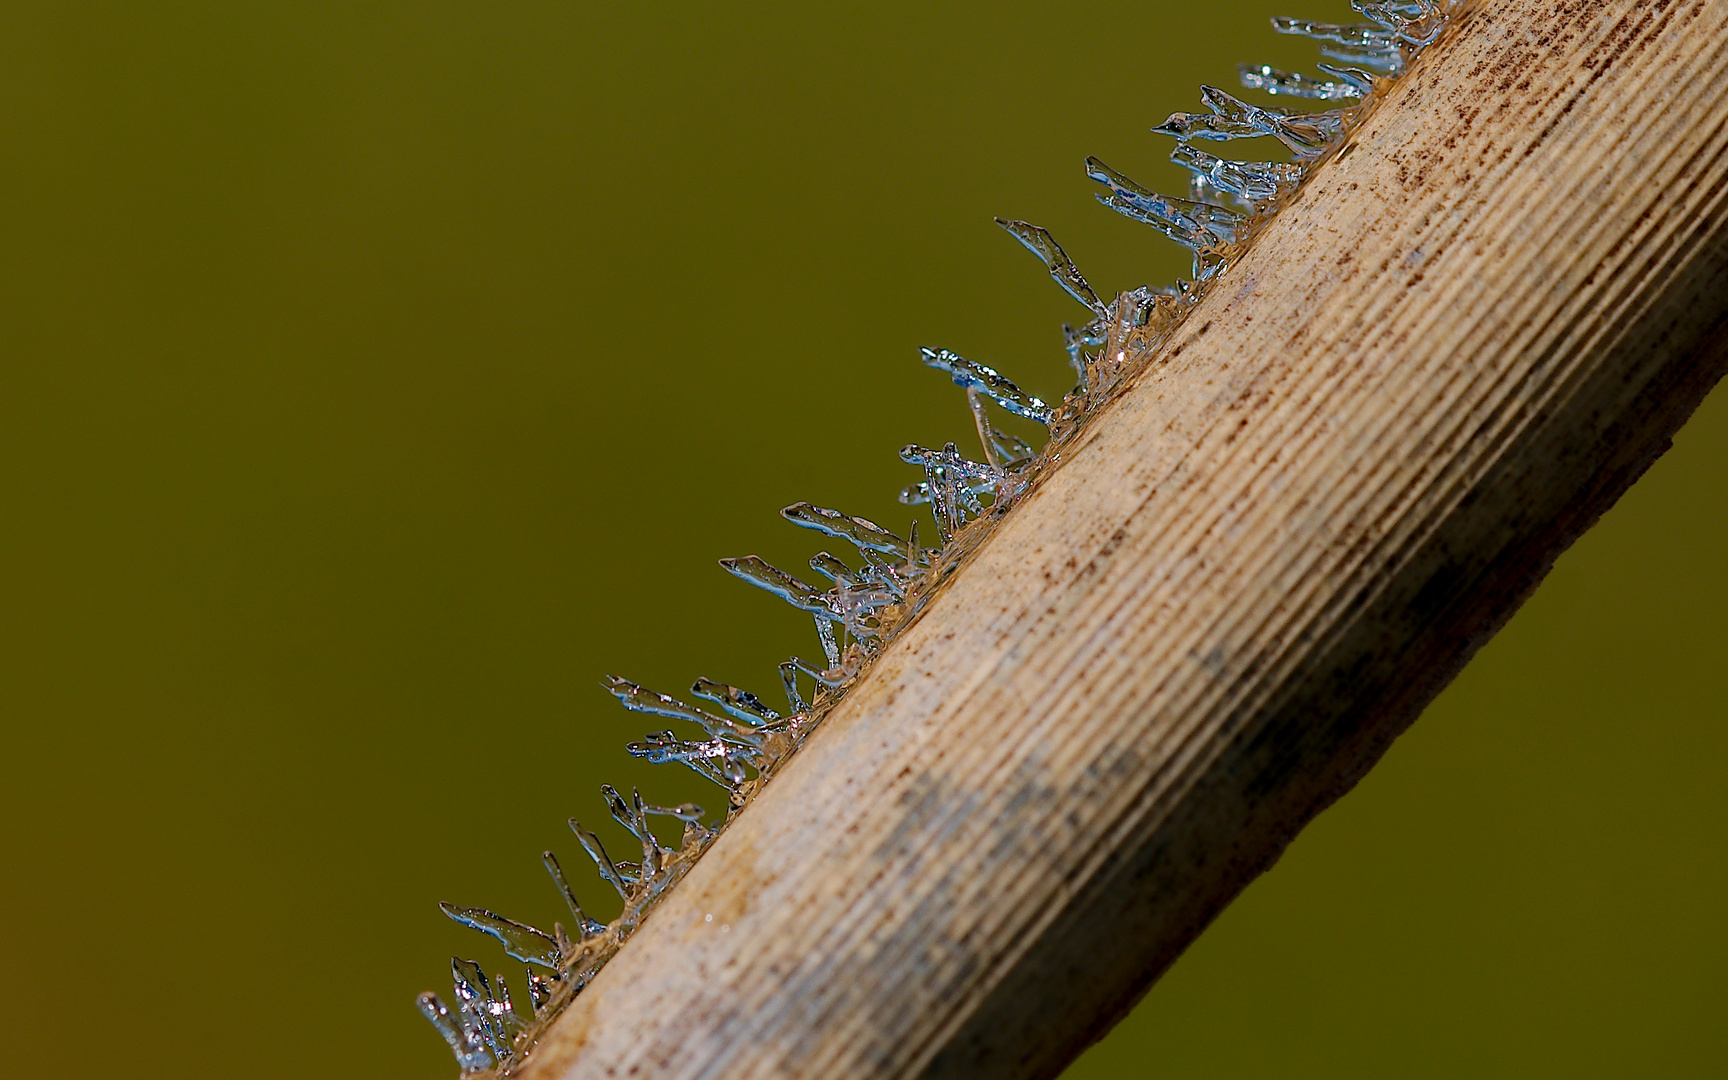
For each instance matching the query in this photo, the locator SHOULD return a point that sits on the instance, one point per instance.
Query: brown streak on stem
(1424, 379)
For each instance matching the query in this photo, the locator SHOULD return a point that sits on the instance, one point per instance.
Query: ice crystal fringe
(744, 742)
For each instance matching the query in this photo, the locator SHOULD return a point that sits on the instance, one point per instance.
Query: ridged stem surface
(1475, 326)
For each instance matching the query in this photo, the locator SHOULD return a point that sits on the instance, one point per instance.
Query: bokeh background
(376, 376)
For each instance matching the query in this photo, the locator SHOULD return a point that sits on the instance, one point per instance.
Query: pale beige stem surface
(1473, 329)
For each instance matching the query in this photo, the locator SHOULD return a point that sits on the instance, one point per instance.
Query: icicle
(602, 861)
(953, 483)
(1355, 76)
(1287, 83)
(830, 648)
(690, 816)
(740, 703)
(1303, 134)
(988, 381)
(789, 680)
(825, 677)
(1361, 36)
(1257, 181)
(753, 569)
(639, 699)
(523, 942)
(478, 1008)
(865, 534)
(831, 568)
(1062, 268)
(470, 1049)
(1195, 225)
(1071, 341)
(981, 424)
(712, 760)
(585, 927)
(1417, 24)
(1012, 447)
(689, 813)
(504, 1012)
(633, 815)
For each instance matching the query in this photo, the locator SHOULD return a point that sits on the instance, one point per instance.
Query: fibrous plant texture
(741, 742)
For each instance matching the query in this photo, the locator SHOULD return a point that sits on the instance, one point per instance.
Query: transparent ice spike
(771, 579)
(523, 942)
(1039, 242)
(1193, 224)
(1361, 79)
(712, 760)
(830, 647)
(472, 1053)
(989, 382)
(1304, 134)
(640, 699)
(602, 861)
(585, 926)
(865, 534)
(1364, 36)
(1382, 62)
(1273, 81)
(633, 815)
(740, 703)
(789, 681)
(1257, 181)
(481, 1011)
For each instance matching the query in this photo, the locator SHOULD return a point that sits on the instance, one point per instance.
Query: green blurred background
(377, 376)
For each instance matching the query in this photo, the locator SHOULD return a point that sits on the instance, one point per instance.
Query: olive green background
(376, 376)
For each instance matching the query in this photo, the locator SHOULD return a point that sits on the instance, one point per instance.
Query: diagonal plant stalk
(1282, 508)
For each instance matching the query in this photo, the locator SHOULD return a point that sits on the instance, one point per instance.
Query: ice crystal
(1290, 84)
(859, 605)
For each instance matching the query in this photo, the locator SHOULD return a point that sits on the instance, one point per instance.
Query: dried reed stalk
(1472, 330)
